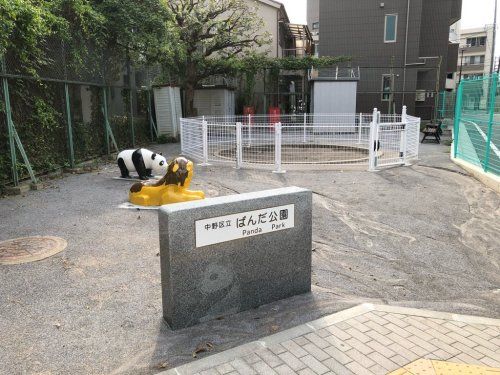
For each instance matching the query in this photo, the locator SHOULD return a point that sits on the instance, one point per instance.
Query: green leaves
(25, 25)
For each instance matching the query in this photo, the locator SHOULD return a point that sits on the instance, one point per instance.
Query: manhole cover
(30, 249)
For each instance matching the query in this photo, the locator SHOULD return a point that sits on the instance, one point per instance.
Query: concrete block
(224, 255)
(17, 190)
(36, 186)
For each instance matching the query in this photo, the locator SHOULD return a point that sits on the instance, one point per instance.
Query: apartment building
(476, 47)
(401, 46)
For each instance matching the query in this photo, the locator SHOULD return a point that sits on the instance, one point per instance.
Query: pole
(438, 79)
(493, 89)
(492, 69)
(443, 104)
(132, 130)
(10, 128)
(305, 123)
(239, 152)
(406, 51)
(249, 130)
(131, 117)
(105, 114)
(391, 95)
(458, 115)
(360, 127)
(277, 148)
(205, 142)
(150, 115)
(461, 65)
(404, 136)
(70, 127)
(372, 143)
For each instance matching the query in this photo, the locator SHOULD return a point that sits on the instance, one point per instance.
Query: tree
(25, 26)
(137, 30)
(211, 35)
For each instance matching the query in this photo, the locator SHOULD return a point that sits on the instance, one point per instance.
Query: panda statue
(142, 161)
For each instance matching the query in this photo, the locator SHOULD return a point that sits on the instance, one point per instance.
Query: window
(390, 28)
(386, 87)
(476, 41)
(315, 25)
(474, 60)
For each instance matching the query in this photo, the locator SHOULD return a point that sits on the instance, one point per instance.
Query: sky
(475, 13)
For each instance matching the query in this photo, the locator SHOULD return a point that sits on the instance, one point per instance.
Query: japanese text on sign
(245, 224)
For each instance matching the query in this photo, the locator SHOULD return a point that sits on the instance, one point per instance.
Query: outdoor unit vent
(420, 96)
(168, 110)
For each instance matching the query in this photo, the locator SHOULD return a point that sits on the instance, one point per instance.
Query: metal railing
(362, 140)
(335, 73)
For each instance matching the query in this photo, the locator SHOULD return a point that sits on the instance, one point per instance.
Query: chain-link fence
(62, 114)
(477, 123)
(446, 108)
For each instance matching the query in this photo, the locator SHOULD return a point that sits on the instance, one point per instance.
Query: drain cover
(30, 249)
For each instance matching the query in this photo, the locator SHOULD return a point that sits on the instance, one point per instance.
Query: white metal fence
(278, 142)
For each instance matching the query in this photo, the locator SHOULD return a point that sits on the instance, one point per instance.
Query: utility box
(168, 110)
(334, 96)
(214, 102)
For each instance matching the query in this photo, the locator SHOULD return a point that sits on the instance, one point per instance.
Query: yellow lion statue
(172, 188)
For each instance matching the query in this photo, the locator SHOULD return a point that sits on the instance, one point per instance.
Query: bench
(433, 130)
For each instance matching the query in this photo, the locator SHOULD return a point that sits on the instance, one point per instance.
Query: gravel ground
(422, 236)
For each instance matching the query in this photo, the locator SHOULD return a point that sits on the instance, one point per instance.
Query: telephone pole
(492, 63)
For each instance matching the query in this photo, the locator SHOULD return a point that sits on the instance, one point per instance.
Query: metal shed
(168, 110)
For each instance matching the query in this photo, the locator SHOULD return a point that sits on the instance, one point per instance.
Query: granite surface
(210, 282)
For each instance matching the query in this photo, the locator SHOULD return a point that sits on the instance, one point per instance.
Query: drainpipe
(406, 52)
(278, 33)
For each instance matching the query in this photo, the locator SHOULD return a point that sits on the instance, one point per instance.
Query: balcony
(472, 67)
(334, 74)
(474, 49)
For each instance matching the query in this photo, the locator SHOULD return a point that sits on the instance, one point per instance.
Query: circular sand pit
(30, 249)
(298, 154)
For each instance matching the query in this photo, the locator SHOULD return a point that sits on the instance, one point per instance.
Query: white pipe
(406, 52)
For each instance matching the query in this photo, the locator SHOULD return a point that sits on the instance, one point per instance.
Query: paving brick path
(366, 339)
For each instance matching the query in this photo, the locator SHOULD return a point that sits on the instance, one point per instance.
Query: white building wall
(486, 31)
(268, 11)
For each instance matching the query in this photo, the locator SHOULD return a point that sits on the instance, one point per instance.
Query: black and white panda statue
(142, 161)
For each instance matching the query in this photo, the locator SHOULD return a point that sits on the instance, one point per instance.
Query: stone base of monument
(224, 255)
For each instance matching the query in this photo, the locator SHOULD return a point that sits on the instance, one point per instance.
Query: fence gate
(389, 139)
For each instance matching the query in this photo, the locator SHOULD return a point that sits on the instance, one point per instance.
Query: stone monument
(224, 255)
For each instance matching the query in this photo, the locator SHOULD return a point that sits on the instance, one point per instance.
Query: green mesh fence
(477, 123)
(446, 108)
(58, 113)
